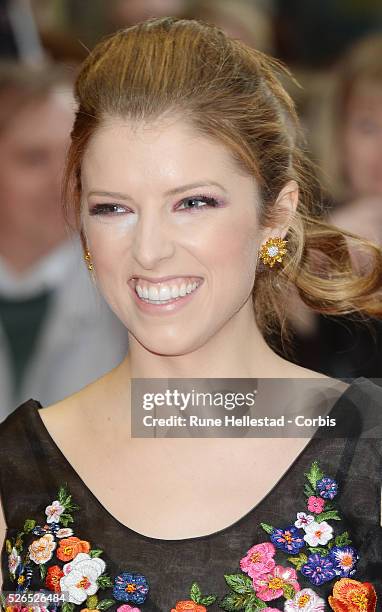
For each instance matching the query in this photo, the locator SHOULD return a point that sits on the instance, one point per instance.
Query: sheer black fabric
(33, 468)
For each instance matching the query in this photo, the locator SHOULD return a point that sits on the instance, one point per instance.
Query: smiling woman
(193, 198)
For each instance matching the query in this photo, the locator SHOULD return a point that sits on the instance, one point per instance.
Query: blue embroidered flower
(38, 530)
(54, 528)
(130, 587)
(327, 488)
(344, 559)
(24, 573)
(318, 569)
(289, 539)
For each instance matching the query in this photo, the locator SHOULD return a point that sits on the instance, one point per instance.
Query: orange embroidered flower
(188, 606)
(70, 547)
(52, 579)
(353, 596)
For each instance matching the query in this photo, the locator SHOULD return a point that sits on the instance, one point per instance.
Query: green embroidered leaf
(67, 607)
(66, 518)
(42, 570)
(319, 549)
(208, 600)
(308, 490)
(240, 583)
(314, 474)
(63, 494)
(19, 544)
(331, 515)
(29, 525)
(259, 603)
(65, 499)
(343, 539)
(254, 604)
(329, 506)
(233, 602)
(91, 602)
(330, 544)
(266, 527)
(104, 581)
(8, 546)
(195, 592)
(104, 604)
(288, 591)
(95, 552)
(298, 560)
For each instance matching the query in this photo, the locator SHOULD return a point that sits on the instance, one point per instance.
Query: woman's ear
(285, 209)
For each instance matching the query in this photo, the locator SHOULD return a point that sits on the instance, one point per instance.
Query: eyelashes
(111, 209)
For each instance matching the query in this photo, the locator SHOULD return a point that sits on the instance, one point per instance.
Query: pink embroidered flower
(259, 559)
(13, 560)
(270, 586)
(316, 504)
(303, 520)
(54, 511)
(318, 533)
(127, 608)
(64, 532)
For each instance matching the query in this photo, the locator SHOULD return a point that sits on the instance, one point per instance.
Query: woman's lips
(168, 307)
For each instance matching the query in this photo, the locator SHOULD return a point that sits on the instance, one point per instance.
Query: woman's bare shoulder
(78, 406)
(318, 380)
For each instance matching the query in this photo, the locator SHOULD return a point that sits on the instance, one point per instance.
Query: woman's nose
(152, 241)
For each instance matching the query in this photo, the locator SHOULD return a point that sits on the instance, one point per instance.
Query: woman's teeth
(165, 293)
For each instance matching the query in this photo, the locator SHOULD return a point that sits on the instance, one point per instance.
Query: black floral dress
(313, 543)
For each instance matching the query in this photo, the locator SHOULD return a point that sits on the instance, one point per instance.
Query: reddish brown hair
(232, 93)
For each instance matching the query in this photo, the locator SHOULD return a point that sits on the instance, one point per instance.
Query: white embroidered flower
(303, 520)
(41, 550)
(318, 533)
(64, 532)
(80, 577)
(13, 560)
(54, 511)
(305, 600)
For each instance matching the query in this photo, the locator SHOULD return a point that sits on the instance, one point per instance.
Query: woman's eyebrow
(125, 196)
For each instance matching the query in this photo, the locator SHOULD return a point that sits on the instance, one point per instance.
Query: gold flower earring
(273, 250)
(88, 260)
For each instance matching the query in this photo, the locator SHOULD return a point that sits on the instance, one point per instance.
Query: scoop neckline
(35, 404)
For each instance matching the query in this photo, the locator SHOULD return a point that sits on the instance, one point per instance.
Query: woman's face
(363, 140)
(159, 200)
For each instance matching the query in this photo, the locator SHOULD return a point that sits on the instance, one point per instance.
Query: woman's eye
(106, 209)
(188, 203)
(366, 126)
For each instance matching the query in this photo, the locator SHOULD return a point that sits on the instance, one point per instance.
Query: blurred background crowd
(56, 332)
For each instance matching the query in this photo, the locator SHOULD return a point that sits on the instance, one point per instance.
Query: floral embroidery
(271, 586)
(68, 564)
(288, 539)
(130, 587)
(196, 603)
(353, 596)
(258, 560)
(305, 600)
(318, 569)
(315, 551)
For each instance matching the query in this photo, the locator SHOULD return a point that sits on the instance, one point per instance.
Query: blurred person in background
(345, 132)
(243, 19)
(123, 13)
(50, 318)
